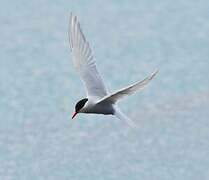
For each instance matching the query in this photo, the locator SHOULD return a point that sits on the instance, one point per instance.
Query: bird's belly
(100, 109)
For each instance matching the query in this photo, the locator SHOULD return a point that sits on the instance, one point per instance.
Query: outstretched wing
(127, 91)
(84, 61)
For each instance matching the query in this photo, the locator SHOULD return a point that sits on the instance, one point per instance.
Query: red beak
(74, 114)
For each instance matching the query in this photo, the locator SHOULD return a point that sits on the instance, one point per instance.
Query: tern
(98, 100)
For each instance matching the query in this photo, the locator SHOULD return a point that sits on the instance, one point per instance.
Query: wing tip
(72, 23)
(154, 73)
(70, 30)
(74, 26)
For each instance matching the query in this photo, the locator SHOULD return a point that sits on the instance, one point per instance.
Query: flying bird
(98, 100)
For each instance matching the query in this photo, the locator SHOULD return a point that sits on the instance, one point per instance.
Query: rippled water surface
(39, 87)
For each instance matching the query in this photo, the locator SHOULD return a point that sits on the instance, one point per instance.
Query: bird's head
(79, 105)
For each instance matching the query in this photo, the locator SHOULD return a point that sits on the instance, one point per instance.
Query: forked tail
(120, 115)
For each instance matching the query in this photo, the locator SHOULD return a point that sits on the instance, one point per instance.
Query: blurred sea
(39, 88)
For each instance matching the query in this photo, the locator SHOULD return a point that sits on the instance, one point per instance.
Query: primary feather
(83, 60)
(127, 91)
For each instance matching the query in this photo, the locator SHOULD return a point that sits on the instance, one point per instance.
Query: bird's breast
(98, 109)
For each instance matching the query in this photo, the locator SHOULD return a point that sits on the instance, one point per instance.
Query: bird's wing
(84, 61)
(114, 97)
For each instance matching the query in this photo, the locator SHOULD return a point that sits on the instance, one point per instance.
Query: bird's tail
(120, 115)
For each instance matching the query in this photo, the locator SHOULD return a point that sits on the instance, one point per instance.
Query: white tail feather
(120, 115)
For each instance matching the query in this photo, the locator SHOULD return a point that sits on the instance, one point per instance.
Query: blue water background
(39, 88)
